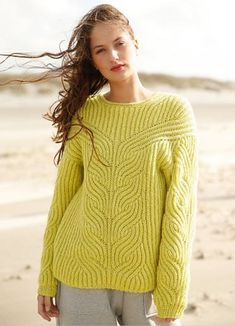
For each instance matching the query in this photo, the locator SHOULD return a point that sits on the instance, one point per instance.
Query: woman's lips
(117, 68)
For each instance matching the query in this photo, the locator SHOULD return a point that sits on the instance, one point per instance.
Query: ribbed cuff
(48, 289)
(170, 310)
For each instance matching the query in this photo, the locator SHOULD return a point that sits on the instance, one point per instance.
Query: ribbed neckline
(121, 104)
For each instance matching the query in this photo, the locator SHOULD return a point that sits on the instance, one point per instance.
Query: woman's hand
(162, 320)
(46, 307)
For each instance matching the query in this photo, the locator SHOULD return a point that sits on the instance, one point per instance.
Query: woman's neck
(128, 91)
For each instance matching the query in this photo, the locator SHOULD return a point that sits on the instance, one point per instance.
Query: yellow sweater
(129, 226)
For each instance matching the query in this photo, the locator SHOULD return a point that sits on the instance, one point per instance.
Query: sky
(179, 37)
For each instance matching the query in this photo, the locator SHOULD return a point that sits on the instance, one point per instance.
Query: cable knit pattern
(130, 225)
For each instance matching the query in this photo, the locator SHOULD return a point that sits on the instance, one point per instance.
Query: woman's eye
(99, 51)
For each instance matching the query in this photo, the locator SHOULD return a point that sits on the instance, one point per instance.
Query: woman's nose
(114, 54)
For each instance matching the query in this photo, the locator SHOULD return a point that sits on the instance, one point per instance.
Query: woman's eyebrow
(97, 46)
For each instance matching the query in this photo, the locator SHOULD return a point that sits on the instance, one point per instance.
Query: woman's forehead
(103, 32)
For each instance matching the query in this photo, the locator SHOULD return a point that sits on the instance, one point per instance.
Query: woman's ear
(94, 65)
(136, 43)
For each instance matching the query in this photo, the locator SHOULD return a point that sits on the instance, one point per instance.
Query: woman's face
(111, 46)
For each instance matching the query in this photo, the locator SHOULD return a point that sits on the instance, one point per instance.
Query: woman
(118, 241)
(110, 243)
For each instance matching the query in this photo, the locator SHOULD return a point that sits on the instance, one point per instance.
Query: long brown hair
(78, 74)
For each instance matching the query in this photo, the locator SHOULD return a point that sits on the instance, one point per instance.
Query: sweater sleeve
(69, 179)
(179, 218)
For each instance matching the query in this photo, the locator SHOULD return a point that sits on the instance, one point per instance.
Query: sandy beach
(27, 176)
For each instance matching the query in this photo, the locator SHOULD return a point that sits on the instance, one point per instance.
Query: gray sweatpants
(107, 307)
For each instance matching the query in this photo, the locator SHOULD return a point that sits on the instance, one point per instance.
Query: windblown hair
(78, 74)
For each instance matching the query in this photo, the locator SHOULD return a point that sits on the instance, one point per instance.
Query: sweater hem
(104, 285)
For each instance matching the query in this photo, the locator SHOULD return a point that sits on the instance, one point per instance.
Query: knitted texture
(128, 226)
